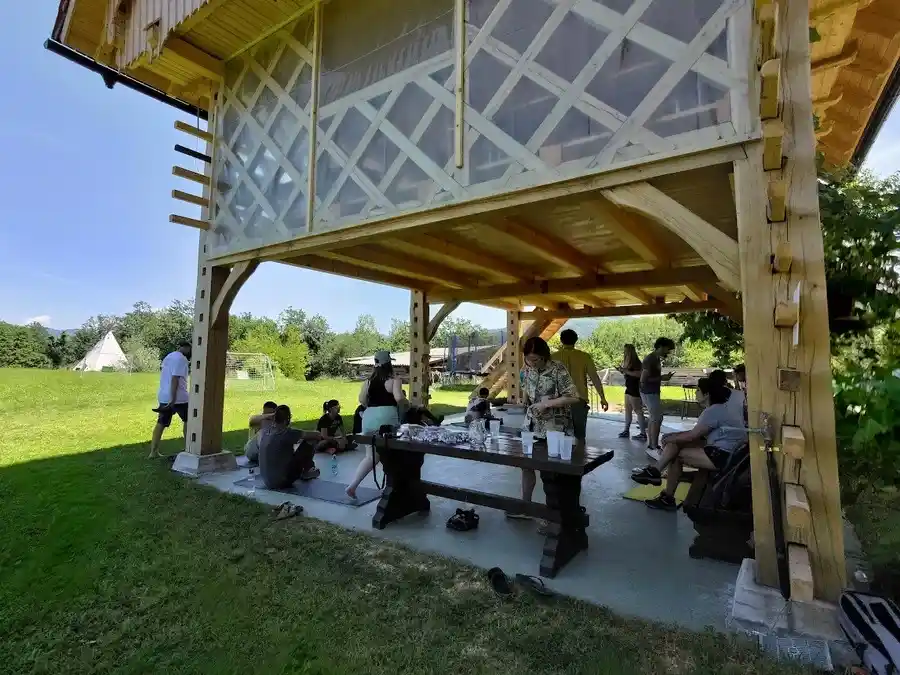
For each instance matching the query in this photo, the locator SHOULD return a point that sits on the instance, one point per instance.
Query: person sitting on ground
(284, 456)
(257, 424)
(651, 382)
(631, 371)
(581, 367)
(357, 419)
(477, 399)
(331, 429)
(381, 393)
(718, 433)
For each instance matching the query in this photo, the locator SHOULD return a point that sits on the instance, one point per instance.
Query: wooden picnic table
(405, 491)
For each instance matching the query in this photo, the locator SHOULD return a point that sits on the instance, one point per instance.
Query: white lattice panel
(554, 88)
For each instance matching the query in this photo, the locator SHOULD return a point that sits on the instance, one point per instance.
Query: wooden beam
(801, 573)
(731, 305)
(203, 157)
(777, 193)
(436, 321)
(787, 314)
(196, 60)
(625, 227)
(694, 293)
(770, 91)
(773, 144)
(598, 282)
(823, 8)
(847, 124)
(390, 262)
(783, 257)
(445, 216)
(845, 57)
(187, 174)
(624, 310)
(194, 131)
(545, 245)
(419, 349)
(825, 102)
(767, 31)
(793, 442)
(512, 357)
(450, 252)
(715, 247)
(189, 198)
(797, 516)
(237, 276)
(190, 222)
(345, 269)
(881, 25)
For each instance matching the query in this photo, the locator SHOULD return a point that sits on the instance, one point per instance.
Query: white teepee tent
(105, 354)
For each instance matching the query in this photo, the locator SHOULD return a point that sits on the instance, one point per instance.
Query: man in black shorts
(172, 394)
(284, 456)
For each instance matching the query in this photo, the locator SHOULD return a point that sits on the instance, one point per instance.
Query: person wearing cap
(172, 394)
(381, 394)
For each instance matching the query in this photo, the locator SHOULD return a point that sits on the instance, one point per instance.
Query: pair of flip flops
(503, 586)
(286, 510)
(463, 520)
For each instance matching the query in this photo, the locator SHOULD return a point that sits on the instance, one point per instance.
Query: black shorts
(717, 456)
(165, 414)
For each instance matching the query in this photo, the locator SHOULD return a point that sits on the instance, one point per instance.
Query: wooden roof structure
(855, 54)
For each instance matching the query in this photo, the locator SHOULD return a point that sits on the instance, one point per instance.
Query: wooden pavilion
(553, 158)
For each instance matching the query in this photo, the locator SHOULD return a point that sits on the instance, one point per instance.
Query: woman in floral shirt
(548, 392)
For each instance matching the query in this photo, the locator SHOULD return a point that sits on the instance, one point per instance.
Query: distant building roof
(438, 355)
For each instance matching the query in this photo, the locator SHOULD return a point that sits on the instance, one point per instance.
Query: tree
(398, 338)
(23, 346)
(140, 357)
(861, 234)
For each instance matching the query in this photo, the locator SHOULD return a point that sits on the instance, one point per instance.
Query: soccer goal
(250, 372)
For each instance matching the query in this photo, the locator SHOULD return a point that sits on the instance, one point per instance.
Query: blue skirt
(375, 418)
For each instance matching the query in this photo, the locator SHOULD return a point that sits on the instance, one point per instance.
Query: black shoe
(624, 434)
(662, 503)
(649, 475)
(463, 521)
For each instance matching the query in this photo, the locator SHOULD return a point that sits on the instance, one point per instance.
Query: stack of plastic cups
(554, 443)
(565, 451)
(527, 442)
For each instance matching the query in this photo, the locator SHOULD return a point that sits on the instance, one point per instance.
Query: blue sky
(85, 189)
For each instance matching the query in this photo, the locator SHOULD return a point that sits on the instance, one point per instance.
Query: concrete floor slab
(637, 563)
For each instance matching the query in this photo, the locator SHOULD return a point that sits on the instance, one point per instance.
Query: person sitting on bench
(284, 456)
(257, 424)
(477, 399)
(738, 400)
(331, 429)
(719, 432)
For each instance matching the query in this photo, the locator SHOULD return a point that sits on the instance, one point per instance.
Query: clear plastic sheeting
(553, 89)
(557, 88)
(261, 172)
(389, 138)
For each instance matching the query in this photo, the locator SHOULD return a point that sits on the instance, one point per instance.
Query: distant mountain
(56, 332)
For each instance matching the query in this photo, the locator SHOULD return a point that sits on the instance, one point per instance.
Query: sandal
(463, 521)
(499, 582)
(288, 510)
(535, 584)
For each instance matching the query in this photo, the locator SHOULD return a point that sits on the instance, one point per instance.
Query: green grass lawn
(111, 563)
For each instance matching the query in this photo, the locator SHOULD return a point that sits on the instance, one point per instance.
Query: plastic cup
(495, 428)
(568, 442)
(527, 442)
(554, 443)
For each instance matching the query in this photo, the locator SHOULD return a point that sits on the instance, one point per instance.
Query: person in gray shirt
(284, 456)
(719, 432)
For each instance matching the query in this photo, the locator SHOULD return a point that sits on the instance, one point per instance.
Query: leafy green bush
(867, 401)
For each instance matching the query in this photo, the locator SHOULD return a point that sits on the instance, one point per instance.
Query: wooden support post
(419, 356)
(796, 514)
(769, 278)
(512, 358)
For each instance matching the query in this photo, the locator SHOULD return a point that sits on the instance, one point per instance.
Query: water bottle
(251, 487)
(334, 466)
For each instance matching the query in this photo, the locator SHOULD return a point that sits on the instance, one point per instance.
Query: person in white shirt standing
(173, 393)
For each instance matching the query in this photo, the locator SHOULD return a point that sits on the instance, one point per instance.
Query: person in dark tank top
(381, 394)
(631, 371)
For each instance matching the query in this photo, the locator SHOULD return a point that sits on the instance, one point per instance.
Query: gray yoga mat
(323, 490)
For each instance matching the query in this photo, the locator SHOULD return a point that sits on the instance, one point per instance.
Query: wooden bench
(719, 505)
(406, 492)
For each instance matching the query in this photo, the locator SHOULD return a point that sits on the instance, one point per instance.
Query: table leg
(403, 493)
(567, 537)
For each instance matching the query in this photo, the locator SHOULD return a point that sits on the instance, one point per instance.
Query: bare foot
(351, 492)
(153, 454)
